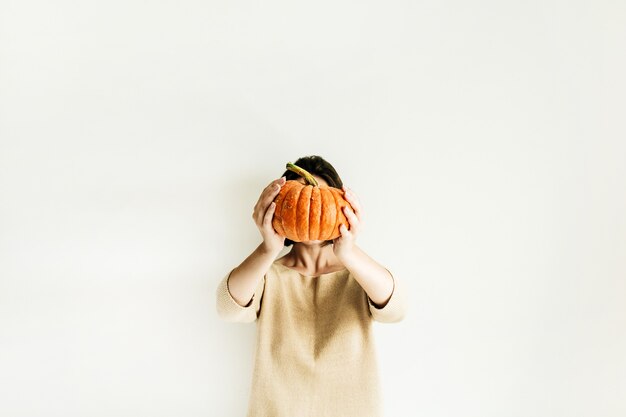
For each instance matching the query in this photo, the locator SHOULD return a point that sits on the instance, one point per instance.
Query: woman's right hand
(264, 213)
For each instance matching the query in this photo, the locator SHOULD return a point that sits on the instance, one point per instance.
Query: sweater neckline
(310, 276)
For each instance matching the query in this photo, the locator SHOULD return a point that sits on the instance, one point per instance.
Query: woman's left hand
(345, 243)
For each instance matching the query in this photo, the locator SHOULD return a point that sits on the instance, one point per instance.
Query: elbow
(395, 309)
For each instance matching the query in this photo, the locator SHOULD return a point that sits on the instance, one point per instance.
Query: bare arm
(244, 278)
(375, 279)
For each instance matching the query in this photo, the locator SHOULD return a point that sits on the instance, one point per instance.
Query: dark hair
(316, 165)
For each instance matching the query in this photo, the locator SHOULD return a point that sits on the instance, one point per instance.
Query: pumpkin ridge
(328, 206)
(282, 217)
(277, 221)
(292, 212)
(285, 200)
(315, 190)
(303, 205)
(338, 214)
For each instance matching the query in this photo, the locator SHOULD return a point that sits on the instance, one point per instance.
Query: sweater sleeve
(230, 310)
(395, 309)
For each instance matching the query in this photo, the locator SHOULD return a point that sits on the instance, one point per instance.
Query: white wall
(485, 139)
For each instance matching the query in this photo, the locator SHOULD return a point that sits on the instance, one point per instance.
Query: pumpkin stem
(303, 173)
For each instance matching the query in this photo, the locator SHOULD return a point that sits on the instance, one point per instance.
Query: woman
(315, 353)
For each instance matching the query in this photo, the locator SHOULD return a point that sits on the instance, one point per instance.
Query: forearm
(243, 279)
(373, 277)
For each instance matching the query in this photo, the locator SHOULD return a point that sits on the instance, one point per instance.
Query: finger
(268, 194)
(279, 181)
(269, 215)
(276, 185)
(272, 189)
(343, 230)
(353, 200)
(352, 218)
(272, 186)
(355, 224)
(271, 195)
(258, 215)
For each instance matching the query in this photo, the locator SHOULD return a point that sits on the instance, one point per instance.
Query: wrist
(348, 256)
(269, 250)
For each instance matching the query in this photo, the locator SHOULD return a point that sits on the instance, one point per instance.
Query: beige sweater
(315, 354)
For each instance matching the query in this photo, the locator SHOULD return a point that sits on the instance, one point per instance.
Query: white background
(484, 138)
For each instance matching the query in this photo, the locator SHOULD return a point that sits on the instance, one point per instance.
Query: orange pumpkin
(309, 211)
